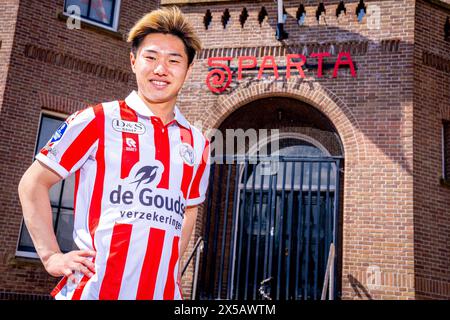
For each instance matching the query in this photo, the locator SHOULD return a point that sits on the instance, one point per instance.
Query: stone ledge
(20, 262)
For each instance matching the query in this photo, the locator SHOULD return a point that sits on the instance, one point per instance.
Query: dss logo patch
(128, 126)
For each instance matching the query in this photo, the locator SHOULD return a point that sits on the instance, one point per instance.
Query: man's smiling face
(161, 67)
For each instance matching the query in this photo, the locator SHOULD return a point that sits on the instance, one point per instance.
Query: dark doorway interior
(273, 219)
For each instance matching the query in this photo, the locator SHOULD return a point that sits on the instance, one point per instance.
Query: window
(104, 13)
(446, 150)
(61, 199)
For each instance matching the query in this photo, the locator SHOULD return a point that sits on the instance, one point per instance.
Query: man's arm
(34, 196)
(190, 217)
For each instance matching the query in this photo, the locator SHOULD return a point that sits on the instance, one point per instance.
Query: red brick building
(365, 158)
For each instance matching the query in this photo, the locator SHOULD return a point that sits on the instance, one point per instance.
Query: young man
(140, 170)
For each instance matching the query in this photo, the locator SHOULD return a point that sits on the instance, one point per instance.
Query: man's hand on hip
(66, 264)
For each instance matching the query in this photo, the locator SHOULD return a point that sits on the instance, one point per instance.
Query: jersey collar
(135, 102)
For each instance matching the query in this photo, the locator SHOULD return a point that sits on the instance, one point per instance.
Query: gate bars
(271, 220)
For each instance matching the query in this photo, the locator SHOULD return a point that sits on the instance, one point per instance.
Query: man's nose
(160, 68)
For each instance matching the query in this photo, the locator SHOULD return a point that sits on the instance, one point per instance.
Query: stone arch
(309, 92)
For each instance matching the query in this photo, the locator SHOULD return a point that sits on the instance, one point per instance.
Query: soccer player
(141, 170)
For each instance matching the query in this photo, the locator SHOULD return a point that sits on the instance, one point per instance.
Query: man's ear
(132, 61)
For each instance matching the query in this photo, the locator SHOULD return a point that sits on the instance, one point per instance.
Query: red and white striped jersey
(134, 178)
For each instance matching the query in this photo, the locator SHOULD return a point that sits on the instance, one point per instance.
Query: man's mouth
(160, 83)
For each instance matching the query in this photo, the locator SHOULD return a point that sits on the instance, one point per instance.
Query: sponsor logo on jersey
(128, 126)
(146, 175)
(146, 194)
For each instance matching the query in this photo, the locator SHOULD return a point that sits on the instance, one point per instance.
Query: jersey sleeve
(71, 144)
(200, 182)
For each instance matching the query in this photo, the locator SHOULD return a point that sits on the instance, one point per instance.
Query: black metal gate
(268, 227)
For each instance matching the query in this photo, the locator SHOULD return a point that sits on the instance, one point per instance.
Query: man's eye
(151, 58)
(174, 61)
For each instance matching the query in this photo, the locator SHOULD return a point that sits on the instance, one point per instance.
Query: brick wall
(8, 15)
(431, 199)
(96, 69)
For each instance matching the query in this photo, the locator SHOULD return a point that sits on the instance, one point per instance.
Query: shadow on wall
(358, 288)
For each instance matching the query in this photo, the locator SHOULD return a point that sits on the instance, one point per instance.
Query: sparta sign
(219, 78)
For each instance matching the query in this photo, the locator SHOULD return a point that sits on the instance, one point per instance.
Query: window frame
(115, 16)
(53, 115)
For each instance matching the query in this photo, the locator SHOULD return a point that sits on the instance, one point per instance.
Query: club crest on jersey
(128, 126)
(187, 154)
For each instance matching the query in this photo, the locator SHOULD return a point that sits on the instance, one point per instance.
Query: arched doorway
(272, 219)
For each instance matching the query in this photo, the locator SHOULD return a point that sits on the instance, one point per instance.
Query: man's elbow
(24, 187)
(27, 185)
